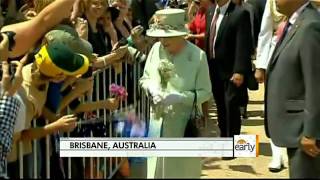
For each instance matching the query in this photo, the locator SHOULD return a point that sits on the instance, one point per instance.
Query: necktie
(282, 32)
(213, 33)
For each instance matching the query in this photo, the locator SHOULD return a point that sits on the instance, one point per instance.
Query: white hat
(168, 23)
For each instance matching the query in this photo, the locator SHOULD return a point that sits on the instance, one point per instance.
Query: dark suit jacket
(233, 47)
(293, 83)
(258, 10)
(142, 11)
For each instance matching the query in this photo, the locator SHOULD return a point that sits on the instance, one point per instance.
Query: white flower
(166, 70)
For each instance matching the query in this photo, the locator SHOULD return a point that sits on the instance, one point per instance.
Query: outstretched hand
(10, 85)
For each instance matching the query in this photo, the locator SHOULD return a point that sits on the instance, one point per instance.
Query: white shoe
(276, 165)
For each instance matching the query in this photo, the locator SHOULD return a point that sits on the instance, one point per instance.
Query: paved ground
(240, 167)
(244, 167)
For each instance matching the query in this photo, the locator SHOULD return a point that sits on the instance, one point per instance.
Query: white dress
(192, 73)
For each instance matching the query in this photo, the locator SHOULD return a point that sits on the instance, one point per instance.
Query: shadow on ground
(210, 167)
(256, 102)
(244, 169)
(256, 113)
(253, 122)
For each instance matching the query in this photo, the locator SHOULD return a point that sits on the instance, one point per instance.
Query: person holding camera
(11, 105)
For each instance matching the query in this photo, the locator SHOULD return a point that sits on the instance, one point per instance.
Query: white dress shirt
(296, 15)
(21, 116)
(223, 11)
(267, 41)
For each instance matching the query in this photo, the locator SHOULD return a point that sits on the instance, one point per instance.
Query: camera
(12, 41)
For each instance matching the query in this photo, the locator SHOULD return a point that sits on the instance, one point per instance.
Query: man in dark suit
(228, 47)
(255, 29)
(258, 7)
(293, 90)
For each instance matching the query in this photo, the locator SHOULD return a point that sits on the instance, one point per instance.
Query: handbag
(194, 123)
(252, 83)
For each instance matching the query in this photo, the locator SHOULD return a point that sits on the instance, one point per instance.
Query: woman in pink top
(197, 26)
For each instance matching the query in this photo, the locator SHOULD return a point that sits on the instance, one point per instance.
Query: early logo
(246, 146)
(242, 145)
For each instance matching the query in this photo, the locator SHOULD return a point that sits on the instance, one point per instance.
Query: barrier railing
(93, 167)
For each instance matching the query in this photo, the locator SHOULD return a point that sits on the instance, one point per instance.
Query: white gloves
(172, 98)
(154, 90)
(157, 99)
(155, 93)
(160, 97)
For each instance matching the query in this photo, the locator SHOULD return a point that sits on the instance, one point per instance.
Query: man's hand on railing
(11, 84)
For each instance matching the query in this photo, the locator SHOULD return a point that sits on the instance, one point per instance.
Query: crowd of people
(196, 50)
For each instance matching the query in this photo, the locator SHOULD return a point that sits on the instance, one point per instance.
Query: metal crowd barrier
(111, 165)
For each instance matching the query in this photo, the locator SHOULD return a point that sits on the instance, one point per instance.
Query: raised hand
(66, 123)
(82, 28)
(10, 85)
(111, 104)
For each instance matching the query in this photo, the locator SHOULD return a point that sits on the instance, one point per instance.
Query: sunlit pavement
(245, 167)
(240, 167)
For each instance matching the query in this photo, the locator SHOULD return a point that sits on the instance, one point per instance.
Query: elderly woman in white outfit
(175, 71)
(271, 22)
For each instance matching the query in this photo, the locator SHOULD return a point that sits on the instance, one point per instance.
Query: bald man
(292, 89)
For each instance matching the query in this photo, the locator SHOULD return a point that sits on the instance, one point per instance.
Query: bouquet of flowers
(166, 70)
(118, 92)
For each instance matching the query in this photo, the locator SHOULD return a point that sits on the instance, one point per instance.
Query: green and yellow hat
(55, 59)
(68, 35)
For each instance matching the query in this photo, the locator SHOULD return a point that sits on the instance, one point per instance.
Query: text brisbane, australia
(112, 145)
